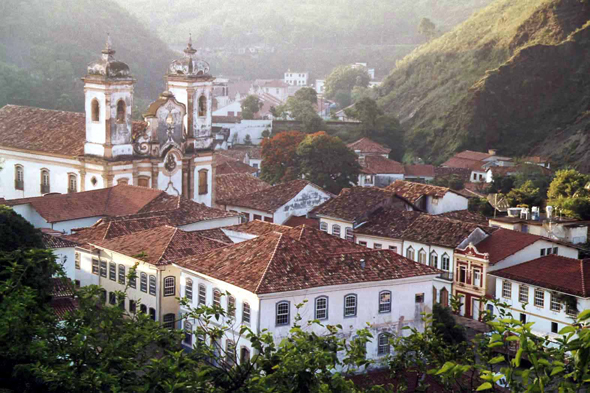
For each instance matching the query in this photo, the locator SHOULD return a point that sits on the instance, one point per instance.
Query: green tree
(326, 161)
(427, 28)
(251, 105)
(16, 232)
(569, 192)
(501, 184)
(444, 324)
(303, 111)
(307, 94)
(526, 194)
(279, 154)
(342, 80)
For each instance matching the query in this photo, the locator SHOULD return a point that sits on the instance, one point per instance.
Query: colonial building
(53, 151)
(384, 229)
(379, 171)
(366, 147)
(429, 198)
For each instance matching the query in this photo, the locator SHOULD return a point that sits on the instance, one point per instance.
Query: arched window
(410, 253)
(121, 109)
(123, 180)
(385, 301)
(143, 308)
(383, 344)
(349, 235)
(72, 183)
(244, 355)
(188, 333)
(217, 297)
(133, 279)
(202, 295)
(103, 295)
(422, 256)
(45, 181)
(324, 226)
(445, 262)
(112, 298)
(321, 307)
(434, 259)
(283, 313)
(230, 352)
(121, 273)
(444, 297)
(231, 306)
(336, 230)
(203, 182)
(143, 282)
(95, 108)
(112, 271)
(152, 285)
(350, 305)
(169, 321)
(19, 177)
(202, 106)
(169, 286)
(152, 314)
(188, 290)
(246, 313)
(132, 306)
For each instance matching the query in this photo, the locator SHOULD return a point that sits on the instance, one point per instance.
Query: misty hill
(45, 46)
(515, 76)
(310, 35)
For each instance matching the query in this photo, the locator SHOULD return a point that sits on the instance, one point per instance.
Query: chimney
(492, 152)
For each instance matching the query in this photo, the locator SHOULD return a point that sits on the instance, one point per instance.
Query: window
(246, 313)
(202, 294)
(121, 274)
(103, 269)
(419, 298)
(132, 306)
(336, 230)
(422, 256)
(244, 355)
(188, 333)
(202, 106)
(112, 298)
(282, 311)
(77, 283)
(539, 298)
(152, 285)
(95, 266)
(434, 259)
(230, 352)
(203, 181)
(384, 301)
(555, 303)
(555, 249)
(169, 286)
(77, 261)
(257, 217)
(445, 262)
(523, 294)
(324, 226)
(321, 307)
(152, 314)
(95, 109)
(121, 109)
(522, 318)
(476, 277)
(542, 252)
(143, 282)
(554, 327)
(231, 306)
(349, 235)
(188, 289)
(103, 295)
(143, 308)
(72, 183)
(169, 321)
(549, 251)
(393, 248)
(410, 253)
(19, 177)
(364, 244)
(123, 180)
(506, 289)
(268, 219)
(216, 298)
(524, 228)
(143, 181)
(463, 274)
(45, 181)
(113, 271)
(133, 280)
(383, 344)
(377, 246)
(350, 305)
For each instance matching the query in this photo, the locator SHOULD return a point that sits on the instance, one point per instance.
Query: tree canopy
(16, 232)
(250, 107)
(279, 155)
(569, 192)
(342, 80)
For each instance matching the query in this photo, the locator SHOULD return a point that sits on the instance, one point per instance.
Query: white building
(429, 198)
(265, 289)
(296, 78)
(549, 291)
(320, 86)
(378, 171)
(63, 249)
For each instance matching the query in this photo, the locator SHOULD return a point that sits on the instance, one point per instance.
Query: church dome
(189, 66)
(107, 66)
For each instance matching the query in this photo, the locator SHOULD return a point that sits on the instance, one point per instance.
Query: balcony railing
(446, 276)
(44, 188)
(19, 185)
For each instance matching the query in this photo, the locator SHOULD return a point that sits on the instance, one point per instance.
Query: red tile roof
(259, 228)
(215, 234)
(389, 223)
(322, 241)
(439, 231)
(553, 272)
(380, 165)
(365, 145)
(57, 241)
(234, 167)
(505, 242)
(467, 216)
(295, 221)
(414, 191)
(234, 186)
(419, 170)
(61, 287)
(161, 245)
(473, 155)
(278, 263)
(62, 306)
(461, 173)
(118, 200)
(456, 162)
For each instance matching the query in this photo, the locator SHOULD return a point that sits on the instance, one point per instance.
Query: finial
(189, 48)
(108, 48)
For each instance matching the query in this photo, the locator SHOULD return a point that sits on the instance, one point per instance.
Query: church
(46, 151)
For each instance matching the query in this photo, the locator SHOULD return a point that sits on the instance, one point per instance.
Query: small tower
(108, 91)
(188, 79)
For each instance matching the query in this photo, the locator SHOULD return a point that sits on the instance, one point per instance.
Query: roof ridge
(269, 261)
(106, 204)
(107, 231)
(167, 245)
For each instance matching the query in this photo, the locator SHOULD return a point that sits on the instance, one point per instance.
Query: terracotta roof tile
(462, 173)
(414, 191)
(438, 231)
(295, 221)
(57, 241)
(419, 170)
(229, 167)
(505, 242)
(365, 145)
(232, 186)
(215, 234)
(473, 155)
(456, 162)
(62, 306)
(259, 228)
(554, 272)
(389, 223)
(61, 287)
(380, 165)
(467, 216)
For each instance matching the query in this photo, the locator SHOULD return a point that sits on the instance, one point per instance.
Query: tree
(480, 205)
(525, 195)
(570, 193)
(427, 28)
(501, 184)
(279, 154)
(16, 232)
(250, 107)
(446, 327)
(307, 94)
(326, 161)
(342, 80)
(303, 111)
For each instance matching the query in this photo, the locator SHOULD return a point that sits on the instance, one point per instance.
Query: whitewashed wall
(304, 201)
(248, 212)
(449, 203)
(385, 242)
(331, 222)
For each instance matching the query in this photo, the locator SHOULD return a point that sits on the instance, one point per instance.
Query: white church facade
(44, 151)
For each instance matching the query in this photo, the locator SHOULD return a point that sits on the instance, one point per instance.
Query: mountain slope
(45, 46)
(506, 78)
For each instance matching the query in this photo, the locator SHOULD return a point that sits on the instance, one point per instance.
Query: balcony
(446, 276)
(19, 185)
(45, 189)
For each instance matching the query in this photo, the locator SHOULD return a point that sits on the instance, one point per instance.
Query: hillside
(514, 76)
(306, 35)
(45, 46)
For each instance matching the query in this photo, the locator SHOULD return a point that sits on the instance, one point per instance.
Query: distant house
(296, 78)
(477, 162)
(233, 186)
(431, 199)
(421, 173)
(276, 88)
(366, 147)
(379, 171)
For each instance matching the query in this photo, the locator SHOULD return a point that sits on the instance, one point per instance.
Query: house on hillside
(278, 203)
(269, 275)
(420, 173)
(275, 88)
(477, 162)
(379, 171)
(431, 199)
(366, 147)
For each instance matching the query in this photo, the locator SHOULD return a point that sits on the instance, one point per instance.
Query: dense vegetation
(510, 77)
(45, 46)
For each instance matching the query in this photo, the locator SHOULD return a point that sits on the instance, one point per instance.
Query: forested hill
(307, 35)
(45, 46)
(515, 77)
